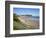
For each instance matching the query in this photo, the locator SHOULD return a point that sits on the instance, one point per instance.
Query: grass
(18, 26)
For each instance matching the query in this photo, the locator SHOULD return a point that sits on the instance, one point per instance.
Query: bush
(15, 18)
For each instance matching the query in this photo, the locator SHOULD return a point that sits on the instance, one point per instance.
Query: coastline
(26, 23)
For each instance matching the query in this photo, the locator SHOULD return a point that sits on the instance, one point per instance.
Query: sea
(33, 17)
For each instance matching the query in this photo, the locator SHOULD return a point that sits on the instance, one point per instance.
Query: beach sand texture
(29, 23)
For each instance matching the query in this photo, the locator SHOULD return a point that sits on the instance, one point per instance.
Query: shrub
(15, 18)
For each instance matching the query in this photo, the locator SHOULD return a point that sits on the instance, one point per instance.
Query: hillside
(23, 22)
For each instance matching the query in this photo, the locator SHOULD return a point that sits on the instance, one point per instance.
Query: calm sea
(33, 18)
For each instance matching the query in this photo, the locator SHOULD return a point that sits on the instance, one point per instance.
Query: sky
(26, 11)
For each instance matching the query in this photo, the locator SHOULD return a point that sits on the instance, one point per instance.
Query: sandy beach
(29, 23)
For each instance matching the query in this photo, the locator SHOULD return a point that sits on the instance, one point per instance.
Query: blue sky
(26, 11)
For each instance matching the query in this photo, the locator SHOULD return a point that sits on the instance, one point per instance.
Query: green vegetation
(17, 25)
(15, 18)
